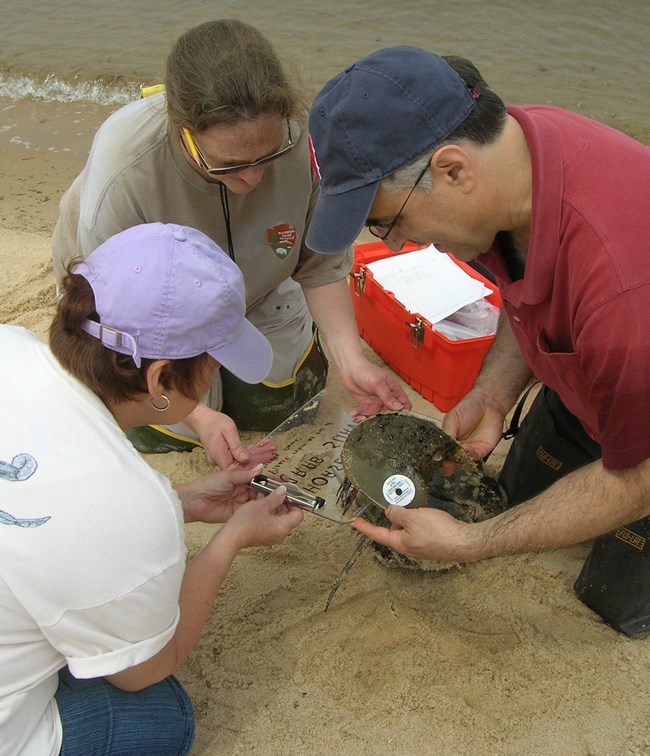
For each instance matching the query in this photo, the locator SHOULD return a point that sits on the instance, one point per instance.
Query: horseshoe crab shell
(409, 461)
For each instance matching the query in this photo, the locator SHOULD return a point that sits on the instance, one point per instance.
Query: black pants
(615, 578)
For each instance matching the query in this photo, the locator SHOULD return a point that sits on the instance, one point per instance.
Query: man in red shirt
(418, 148)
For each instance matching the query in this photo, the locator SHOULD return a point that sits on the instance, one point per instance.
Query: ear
(154, 376)
(453, 165)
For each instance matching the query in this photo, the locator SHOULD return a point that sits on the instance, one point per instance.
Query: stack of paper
(427, 282)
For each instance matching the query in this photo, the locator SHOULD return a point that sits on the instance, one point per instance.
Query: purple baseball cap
(164, 291)
(377, 116)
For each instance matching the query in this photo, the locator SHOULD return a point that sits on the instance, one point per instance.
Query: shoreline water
(60, 74)
(590, 55)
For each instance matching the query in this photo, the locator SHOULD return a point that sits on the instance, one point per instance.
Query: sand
(492, 658)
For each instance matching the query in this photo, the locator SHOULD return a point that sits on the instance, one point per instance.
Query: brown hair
(226, 71)
(112, 376)
(482, 126)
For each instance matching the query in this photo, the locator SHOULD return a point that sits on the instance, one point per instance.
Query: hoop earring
(161, 409)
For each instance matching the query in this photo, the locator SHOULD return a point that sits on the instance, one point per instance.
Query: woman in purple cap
(97, 605)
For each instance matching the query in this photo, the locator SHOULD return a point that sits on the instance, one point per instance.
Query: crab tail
(348, 566)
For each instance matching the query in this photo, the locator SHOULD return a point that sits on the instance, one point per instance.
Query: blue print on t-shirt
(21, 467)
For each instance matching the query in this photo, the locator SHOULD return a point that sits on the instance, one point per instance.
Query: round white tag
(398, 490)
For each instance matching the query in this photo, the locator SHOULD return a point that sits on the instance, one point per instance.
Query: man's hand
(423, 534)
(476, 422)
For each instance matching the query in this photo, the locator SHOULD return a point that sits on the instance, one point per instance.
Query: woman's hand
(215, 497)
(373, 389)
(264, 521)
(220, 438)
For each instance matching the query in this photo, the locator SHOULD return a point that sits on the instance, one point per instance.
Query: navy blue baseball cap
(377, 116)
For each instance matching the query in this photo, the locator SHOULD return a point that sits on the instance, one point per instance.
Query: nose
(251, 176)
(395, 241)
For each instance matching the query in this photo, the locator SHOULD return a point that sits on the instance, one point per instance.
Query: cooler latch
(417, 332)
(359, 280)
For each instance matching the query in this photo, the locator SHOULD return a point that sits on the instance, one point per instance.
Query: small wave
(115, 91)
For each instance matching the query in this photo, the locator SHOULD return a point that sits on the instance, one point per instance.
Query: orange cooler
(440, 369)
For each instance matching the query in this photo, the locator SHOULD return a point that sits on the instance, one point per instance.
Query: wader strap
(513, 428)
(515, 421)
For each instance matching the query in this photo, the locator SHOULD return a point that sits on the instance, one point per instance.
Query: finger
(275, 499)
(263, 451)
(450, 424)
(389, 392)
(220, 458)
(294, 517)
(396, 515)
(399, 394)
(403, 397)
(236, 449)
(276, 504)
(367, 407)
(239, 475)
(282, 525)
(374, 532)
(477, 449)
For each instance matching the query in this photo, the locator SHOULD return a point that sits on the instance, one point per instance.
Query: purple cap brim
(339, 218)
(249, 357)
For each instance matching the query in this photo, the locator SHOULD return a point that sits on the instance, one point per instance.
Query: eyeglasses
(383, 232)
(196, 154)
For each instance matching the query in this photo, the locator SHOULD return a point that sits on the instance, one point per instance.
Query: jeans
(98, 719)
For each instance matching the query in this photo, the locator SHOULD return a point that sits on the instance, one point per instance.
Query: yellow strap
(152, 90)
(177, 436)
(291, 380)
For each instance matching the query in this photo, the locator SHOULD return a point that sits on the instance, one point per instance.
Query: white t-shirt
(92, 549)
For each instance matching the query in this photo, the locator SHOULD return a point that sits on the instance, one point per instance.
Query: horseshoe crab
(407, 460)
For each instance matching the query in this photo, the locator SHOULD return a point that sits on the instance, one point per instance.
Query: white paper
(427, 282)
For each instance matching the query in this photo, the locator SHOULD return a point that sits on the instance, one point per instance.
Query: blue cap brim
(339, 218)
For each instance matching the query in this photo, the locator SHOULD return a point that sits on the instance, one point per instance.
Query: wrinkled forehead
(245, 135)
